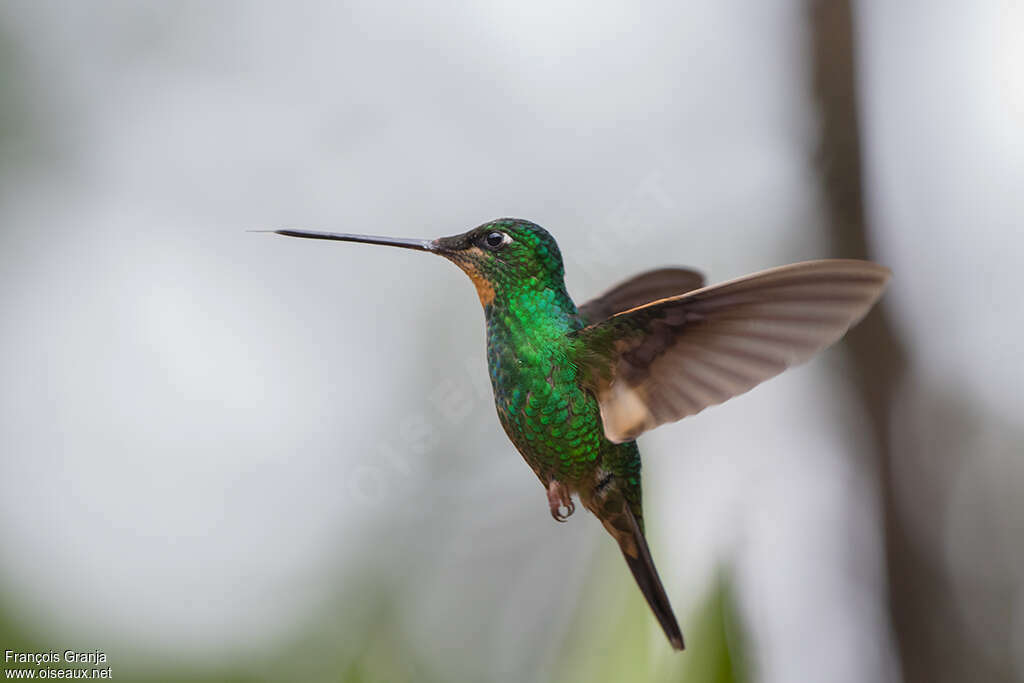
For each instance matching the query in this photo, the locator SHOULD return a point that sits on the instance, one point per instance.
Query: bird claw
(558, 498)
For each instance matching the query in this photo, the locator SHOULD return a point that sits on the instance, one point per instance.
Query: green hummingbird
(574, 386)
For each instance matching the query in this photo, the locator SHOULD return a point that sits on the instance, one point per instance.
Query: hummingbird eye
(496, 240)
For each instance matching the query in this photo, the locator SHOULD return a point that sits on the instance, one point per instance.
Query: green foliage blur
(602, 647)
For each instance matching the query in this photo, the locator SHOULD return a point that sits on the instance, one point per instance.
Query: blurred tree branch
(930, 639)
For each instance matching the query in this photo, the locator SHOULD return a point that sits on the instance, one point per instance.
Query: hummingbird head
(505, 255)
(500, 256)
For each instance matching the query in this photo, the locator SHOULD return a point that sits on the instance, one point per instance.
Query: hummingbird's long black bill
(420, 245)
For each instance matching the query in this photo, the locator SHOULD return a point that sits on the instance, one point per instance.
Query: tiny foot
(558, 498)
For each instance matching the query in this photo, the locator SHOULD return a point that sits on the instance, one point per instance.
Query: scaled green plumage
(574, 386)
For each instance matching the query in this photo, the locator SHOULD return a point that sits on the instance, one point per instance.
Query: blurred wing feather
(671, 358)
(640, 289)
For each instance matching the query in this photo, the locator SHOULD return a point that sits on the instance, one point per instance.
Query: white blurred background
(232, 455)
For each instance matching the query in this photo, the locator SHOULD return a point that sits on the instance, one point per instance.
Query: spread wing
(671, 358)
(639, 290)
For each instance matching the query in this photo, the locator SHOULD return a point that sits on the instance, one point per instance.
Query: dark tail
(646, 577)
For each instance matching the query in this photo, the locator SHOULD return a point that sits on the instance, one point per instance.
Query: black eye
(496, 240)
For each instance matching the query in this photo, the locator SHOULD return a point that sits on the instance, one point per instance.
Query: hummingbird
(574, 386)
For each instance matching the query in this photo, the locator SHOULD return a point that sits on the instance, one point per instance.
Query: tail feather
(638, 557)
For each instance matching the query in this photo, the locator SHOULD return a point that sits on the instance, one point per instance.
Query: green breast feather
(553, 421)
